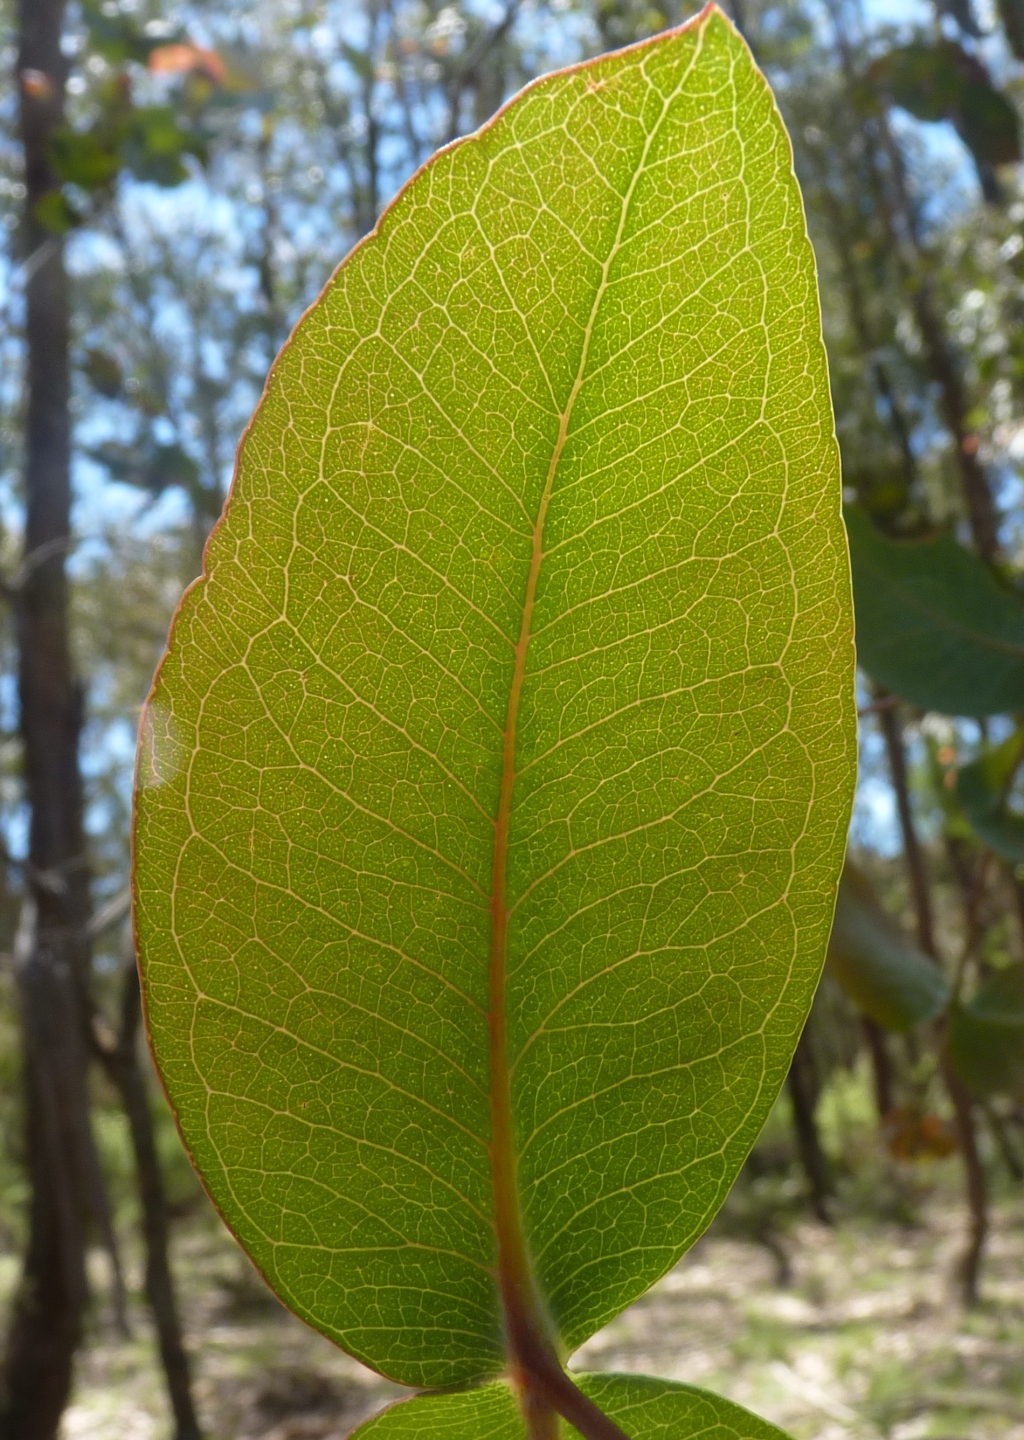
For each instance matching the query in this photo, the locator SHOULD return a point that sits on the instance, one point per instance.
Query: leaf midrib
(520, 1302)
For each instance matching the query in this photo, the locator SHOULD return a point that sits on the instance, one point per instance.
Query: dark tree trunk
(891, 726)
(881, 1067)
(45, 1326)
(969, 1264)
(803, 1093)
(123, 1067)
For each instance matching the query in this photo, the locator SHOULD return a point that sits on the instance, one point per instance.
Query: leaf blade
(322, 765)
(877, 965)
(982, 788)
(647, 1409)
(986, 1037)
(932, 624)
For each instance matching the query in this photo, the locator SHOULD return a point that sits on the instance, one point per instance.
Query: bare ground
(866, 1341)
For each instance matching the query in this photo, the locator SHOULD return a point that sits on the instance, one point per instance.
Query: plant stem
(881, 1065)
(892, 732)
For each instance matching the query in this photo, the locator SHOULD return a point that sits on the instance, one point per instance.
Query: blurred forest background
(178, 178)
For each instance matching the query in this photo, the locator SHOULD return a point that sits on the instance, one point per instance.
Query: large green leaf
(646, 1409)
(986, 1036)
(532, 585)
(878, 966)
(982, 788)
(932, 624)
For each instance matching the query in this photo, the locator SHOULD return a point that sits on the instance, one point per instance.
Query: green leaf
(982, 789)
(103, 372)
(56, 213)
(647, 1409)
(932, 624)
(87, 158)
(962, 12)
(986, 1036)
(148, 465)
(942, 81)
(532, 584)
(880, 969)
(156, 143)
(116, 35)
(1011, 13)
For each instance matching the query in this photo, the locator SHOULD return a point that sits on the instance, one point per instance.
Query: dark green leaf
(982, 788)
(89, 159)
(646, 1409)
(518, 693)
(963, 13)
(115, 34)
(933, 625)
(1011, 13)
(103, 373)
(56, 213)
(986, 1037)
(881, 970)
(942, 81)
(148, 465)
(156, 143)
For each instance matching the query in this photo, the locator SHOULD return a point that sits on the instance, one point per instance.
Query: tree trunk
(122, 1065)
(881, 1067)
(45, 1327)
(802, 1085)
(969, 1264)
(46, 1324)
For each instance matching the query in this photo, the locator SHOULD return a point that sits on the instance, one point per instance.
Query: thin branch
(892, 732)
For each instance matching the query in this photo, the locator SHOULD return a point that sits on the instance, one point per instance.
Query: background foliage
(217, 161)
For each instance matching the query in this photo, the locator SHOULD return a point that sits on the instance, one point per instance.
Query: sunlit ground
(865, 1342)
(866, 1339)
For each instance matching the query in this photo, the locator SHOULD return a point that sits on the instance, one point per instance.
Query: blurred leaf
(982, 788)
(149, 467)
(116, 36)
(89, 158)
(933, 626)
(183, 59)
(155, 145)
(1011, 13)
(986, 1037)
(362, 61)
(962, 13)
(879, 967)
(941, 81)
(881, 484)
(103, 372)
(37, 84)
(909, 1135)
(55, 212)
